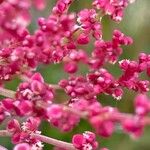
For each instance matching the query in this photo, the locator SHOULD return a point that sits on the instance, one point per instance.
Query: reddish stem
(7, 93)
(42, 138)
(54, 142)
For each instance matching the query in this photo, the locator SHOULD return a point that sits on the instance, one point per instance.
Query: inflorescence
(57, 40)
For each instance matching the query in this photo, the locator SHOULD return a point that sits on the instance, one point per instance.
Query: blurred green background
(136, 23)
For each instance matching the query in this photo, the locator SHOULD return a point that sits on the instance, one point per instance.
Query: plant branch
(45, 139)
(3, 148)
(7, 93)
(54, 142)
(4, 133)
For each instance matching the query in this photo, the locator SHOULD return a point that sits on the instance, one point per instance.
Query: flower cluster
(88, 22)
(85, 141)
(61, 118)
(60, 38)
(114, 8)
(15, 17)
(20, 133)
(131, 73)
(109, 51)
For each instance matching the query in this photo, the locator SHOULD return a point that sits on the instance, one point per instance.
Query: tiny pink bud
(70, 67)
(141, 104)
(37, 87)
(8, 103)
(38, 77)
(13, 126)
(78, 140)
(54, 111)
(83, 39)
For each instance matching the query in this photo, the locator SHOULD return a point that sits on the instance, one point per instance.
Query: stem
(11, 94)
(55, 86)
(82, 114)
(3, 148)
(24, 78)
(132, 1)
(7, 93)
(54, 142)
(4, 133)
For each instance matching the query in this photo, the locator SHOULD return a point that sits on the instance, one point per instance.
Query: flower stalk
(45, 139)
(3, 148)
(54, 142)
(7, 93)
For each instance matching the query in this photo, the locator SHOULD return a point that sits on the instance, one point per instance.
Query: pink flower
(70, 67)
(83, 39)
(78, 140)
(103, 127)
(8, 103)
(114, 8)
(133, 126)
(22, 146)
(85, 141)
(13, 126)
(142, 105)
(54, 111)
(59, 39)
(62, 119)
(40, 4)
